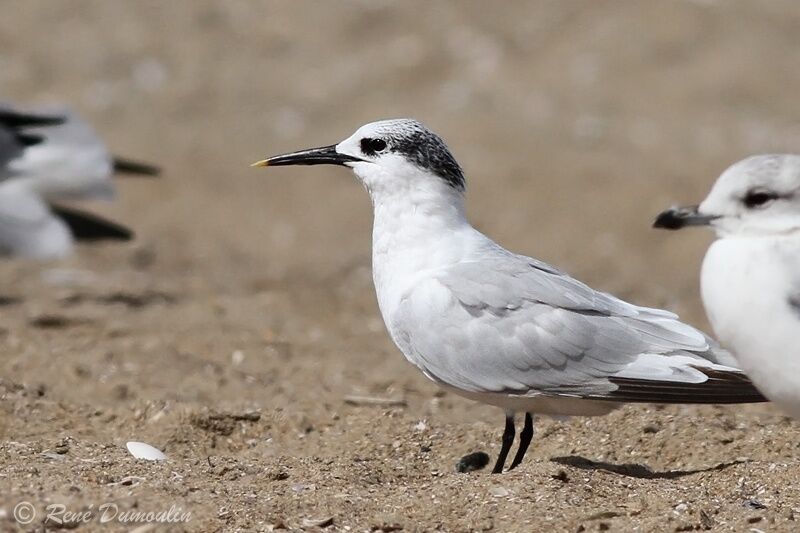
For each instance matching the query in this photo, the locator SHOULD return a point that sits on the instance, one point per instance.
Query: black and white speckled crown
(424, 148)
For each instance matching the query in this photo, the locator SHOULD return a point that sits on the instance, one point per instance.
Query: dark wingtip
(722, 387)
(88, 227)
(135, 168)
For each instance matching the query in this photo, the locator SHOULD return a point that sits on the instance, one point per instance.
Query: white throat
(417, 230)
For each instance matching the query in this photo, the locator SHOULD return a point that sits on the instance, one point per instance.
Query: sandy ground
(231, 332)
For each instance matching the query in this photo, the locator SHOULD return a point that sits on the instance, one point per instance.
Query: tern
(502, 328)
(48, 156)
(750, 279)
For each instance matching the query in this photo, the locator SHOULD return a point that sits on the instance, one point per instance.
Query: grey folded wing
(515, 325)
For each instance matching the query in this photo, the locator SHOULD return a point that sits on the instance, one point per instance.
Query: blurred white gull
(50, 155)
(751, 273)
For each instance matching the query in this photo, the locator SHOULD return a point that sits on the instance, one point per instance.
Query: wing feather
(516, 325)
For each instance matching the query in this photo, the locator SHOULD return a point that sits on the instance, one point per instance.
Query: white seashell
(142, 450)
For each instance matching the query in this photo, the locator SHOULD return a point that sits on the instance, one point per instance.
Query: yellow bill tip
(262, 163)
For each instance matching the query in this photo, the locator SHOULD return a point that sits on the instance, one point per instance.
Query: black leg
(524, 440)
(508, 440)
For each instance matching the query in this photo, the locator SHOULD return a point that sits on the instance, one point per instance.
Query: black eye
(372, 146)
(759, 198)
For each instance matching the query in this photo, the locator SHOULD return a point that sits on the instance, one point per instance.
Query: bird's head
(759, 195)
(390, 157)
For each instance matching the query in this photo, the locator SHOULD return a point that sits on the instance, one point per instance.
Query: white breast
(410, 241)
(746, 287)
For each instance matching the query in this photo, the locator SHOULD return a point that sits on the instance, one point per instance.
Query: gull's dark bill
(134, 168)
(680, 217)
(12, 118)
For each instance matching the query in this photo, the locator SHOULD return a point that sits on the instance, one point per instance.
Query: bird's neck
(416, 221)
(417, 234)
(413, 238)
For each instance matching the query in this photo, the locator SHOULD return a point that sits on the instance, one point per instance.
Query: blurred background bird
(47, 156)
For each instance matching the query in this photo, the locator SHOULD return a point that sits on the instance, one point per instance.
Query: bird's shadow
(635, 470)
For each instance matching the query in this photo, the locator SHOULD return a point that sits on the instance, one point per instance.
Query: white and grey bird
(51, 155)
(750, 277)
(502, 328)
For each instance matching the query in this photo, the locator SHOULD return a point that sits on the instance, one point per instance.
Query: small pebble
(472, 462)
(754, 504)
(499, 492)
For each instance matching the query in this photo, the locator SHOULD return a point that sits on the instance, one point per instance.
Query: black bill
(326, 155)
(680, 217)
(135, 168)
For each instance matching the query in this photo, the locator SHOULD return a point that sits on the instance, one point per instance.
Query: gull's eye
(759, 198)
(372, 146)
